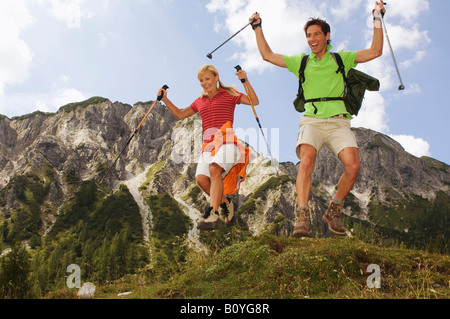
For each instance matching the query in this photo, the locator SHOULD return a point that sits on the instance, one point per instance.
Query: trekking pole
(165, 87)
(401, 87)
(238, 68)
(209, 55)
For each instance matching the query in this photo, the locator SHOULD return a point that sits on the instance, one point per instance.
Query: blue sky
(53, 52)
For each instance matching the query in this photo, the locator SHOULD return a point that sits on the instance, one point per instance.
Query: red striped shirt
(216, 112)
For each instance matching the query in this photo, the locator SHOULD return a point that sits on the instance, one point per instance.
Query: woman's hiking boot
(210, 220)
(227, 209)
(302, 226)
(333, 218)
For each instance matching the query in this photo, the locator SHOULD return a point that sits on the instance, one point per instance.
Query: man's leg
(308, 156)
(350, 159)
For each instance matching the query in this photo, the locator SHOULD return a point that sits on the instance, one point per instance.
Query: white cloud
(25, 103)
(415, 146)
(65, 96)
(344, 9)
(59, 95)
(419, 56)
(283, 21)
(406, 11)
(408, 37)
(372, 114)
(73, 11)
(102, 39)
(15, 55)
(413, 88)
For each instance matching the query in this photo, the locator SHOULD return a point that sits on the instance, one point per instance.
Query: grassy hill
(102, 232)
(270, 267)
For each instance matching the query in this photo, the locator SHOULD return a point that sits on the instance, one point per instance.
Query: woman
(221, 167)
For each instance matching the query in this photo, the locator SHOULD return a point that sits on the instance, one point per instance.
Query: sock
(336, 201)
(303, 207)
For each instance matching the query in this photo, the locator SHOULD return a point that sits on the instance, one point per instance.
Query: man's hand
(256, 19)
(379, 7)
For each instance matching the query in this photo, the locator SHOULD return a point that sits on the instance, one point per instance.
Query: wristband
(377, 19)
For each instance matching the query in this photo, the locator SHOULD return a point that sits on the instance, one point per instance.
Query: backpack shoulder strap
(338, 59)
(341, 69)
(301, 72)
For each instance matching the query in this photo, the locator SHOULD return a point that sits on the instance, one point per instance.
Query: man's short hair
(322, 23)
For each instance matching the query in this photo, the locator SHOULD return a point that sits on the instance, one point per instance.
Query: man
(324, 123)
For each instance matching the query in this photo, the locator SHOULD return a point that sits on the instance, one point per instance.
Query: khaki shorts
(226, 157)
(334, 133)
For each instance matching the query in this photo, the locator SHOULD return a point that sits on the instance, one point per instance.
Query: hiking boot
(333, 218)
(228, 212)
(210, 220)
(303, 223)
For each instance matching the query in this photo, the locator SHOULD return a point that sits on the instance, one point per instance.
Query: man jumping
(324, 123)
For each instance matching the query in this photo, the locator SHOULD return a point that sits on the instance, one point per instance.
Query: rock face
(82, 140)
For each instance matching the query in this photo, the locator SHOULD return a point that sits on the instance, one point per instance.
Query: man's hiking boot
(302, 223)
(210, 220)
(333, 218)
(227, 209)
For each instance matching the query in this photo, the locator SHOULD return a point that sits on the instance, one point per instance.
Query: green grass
(71, 106)
(271, 267)
(26, 116)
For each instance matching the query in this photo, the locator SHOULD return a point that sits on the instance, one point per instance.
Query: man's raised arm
(376, 49)
(263, 47)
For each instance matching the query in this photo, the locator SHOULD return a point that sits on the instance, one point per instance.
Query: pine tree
(103, 261)
(4, 231)
(117, 256)
(15, 269)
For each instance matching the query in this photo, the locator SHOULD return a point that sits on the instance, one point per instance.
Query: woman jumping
(222, 164)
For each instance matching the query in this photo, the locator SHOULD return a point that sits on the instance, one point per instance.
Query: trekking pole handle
(165, 87)
(238, 68)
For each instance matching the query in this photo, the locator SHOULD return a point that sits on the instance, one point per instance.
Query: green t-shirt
(321, 80)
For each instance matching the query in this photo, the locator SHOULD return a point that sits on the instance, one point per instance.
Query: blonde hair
(230, 89)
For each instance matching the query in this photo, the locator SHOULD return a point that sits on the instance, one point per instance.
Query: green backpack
(356, 84)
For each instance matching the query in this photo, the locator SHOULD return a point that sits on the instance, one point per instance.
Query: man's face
(317, 40)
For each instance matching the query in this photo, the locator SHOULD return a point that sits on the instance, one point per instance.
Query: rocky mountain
(397, 195)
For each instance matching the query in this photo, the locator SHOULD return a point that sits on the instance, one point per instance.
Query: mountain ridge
(86, 136)
(50, 165)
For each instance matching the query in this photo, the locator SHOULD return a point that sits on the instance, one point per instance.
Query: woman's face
(208, 81)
